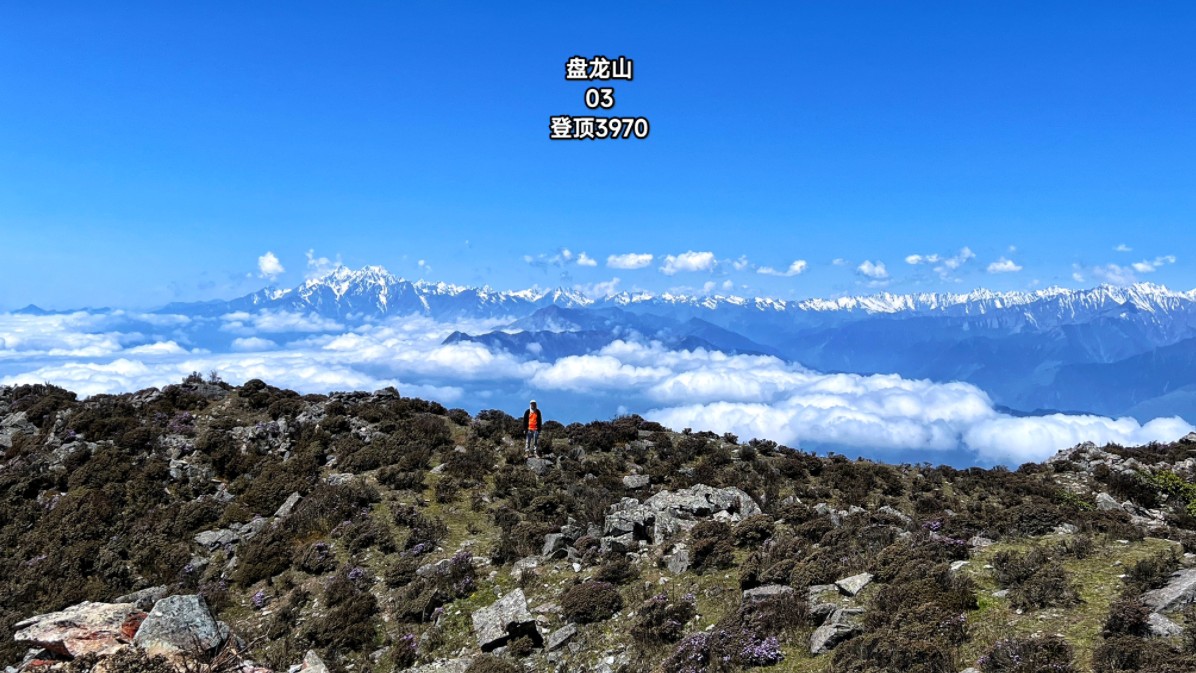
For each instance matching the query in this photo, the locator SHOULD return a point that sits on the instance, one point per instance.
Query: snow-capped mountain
(1027, 350)
(372, 292)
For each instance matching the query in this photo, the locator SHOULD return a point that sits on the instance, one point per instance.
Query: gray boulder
(214, 539)
(634, 481)
(830, 634)
(1163, 627)
(559, 638)
(180, 624)
(669, 513)
(312, 663)
(678, 560)
(13, 425)
(854, 584)
(504, 620)
(554, 546)
(1106, 502)
(1179, 590)
(767, 591)
(288, 506)
(444, 666)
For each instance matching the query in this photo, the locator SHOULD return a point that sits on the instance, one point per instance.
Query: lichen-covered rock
(669, 513)
(1180, 589)
(503, 621)
(830, 634)
(854, 584)
(180, 624)
(86, 628)
(766, 592)
(634, 481)
(1163, 627)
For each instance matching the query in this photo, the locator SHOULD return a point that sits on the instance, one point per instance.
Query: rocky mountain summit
(204, 527)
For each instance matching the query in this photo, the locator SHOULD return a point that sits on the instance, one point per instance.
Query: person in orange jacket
(533, 421)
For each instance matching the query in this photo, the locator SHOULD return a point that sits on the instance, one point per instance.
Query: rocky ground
(206, 527)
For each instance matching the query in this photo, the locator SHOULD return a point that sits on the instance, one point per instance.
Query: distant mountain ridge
(1108, 349)
(372, 290)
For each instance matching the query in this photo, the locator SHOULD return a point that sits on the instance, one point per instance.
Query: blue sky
(155, 152)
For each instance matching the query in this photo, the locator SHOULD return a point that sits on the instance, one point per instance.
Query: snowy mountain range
(1109, 350)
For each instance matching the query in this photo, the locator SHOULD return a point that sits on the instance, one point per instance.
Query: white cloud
(243, 322)
(1115, 274)
(585, 260)
(875, 271)
(562, 257)
(598, 290)
(1122, 247)
(1149, 266)
(944, 265)
(251, 344)
(1024, 439)
(1003, 265)
(318, 267)
(839, 261)
(688, 261)
(741, 263)
(268, 266)
(159, 348)
(631, 260)
(751, 395)
(794, 269)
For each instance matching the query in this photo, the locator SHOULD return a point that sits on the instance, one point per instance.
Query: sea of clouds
(751, 396)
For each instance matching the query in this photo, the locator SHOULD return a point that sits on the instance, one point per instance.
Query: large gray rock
(767, 591)
(312, 663)
(1179, 590)
(503, 621)
(554, 546)
(634, 481)
(287, 506)
(214, 539)
(678, 560)
(13, 425)
(559, 638)
(669, 513)
(444, 666)
(1162, 627)
(180, 624)
(830, 634)
(100, 628)
(854, 584)
(1106, 502)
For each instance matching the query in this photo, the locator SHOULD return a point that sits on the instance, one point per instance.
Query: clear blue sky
(154, 152)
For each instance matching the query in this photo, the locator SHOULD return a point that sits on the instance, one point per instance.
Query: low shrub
(662, 620)
(712, 546)
(488, 663)
(1029, 655)
(590, 601)
(753, 531)
(1127, 617)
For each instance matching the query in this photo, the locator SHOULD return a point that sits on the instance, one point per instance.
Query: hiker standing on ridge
(532, 422)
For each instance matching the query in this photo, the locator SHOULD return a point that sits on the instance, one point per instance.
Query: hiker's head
(533, 403)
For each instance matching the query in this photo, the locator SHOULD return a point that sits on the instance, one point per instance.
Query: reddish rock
(129, 628)
(102, 628)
